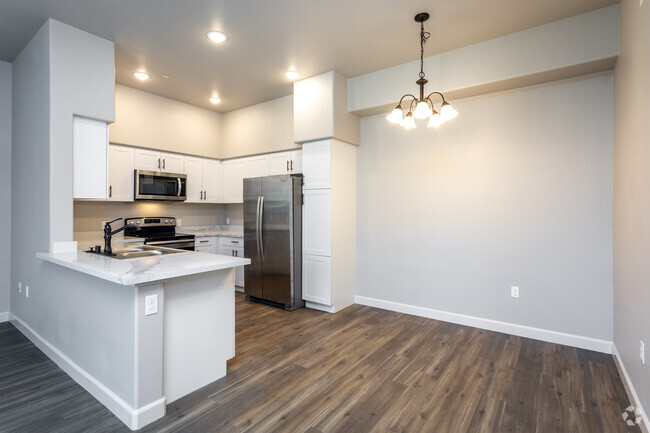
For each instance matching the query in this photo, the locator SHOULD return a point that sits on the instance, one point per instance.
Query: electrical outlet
(642, 352)
(20, 287)
(27, 291)
(178, 222)
(514, 291)
(227, 221)
(150, 305)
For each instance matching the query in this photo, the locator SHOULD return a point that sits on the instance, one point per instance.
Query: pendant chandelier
(423, 106)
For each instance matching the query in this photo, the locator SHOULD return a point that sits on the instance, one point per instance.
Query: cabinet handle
(158, 163)
(292, 165)
(287, 165)
(110, 191)
(236, 253)
(204, 242)
(164, 162)
(205, 195)
(234, 242)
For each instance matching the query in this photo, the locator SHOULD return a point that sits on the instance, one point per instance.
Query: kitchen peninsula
(142, 332)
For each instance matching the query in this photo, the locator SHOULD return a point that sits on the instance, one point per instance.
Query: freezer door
(253, 272)
(277, 239)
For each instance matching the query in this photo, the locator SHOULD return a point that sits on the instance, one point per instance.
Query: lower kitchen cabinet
(206, 245)
(234, 247)
(317, 279)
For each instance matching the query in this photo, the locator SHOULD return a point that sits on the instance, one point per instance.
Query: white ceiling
(268, 37)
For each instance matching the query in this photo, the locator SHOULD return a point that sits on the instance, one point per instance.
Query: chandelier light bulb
(422, 110)
(435, 120)
(395, 116)
(409, 121)
(447, 111)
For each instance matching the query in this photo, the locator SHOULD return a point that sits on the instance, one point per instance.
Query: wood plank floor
(361, 370)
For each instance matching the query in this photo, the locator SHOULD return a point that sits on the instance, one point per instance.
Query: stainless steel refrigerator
(273, 240)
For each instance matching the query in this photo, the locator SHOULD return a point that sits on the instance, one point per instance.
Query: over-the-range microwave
(156, 185)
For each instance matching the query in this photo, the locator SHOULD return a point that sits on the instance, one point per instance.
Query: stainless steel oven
(156, 185)
(159, 232)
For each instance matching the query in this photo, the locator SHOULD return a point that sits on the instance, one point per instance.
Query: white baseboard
(578, 341)
(133, 418)
(4, 316)
(629, 389)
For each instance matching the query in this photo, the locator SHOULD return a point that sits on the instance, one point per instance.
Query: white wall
(5, 179)
(632, 195)
(260, 128)
(517, 190)
(147, 120)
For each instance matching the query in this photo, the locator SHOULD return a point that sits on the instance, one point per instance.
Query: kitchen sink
(142, 251)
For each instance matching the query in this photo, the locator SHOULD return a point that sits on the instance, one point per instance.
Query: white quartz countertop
(146, 269)
(200, 231)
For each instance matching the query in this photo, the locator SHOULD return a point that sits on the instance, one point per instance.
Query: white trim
(4, 316)
(629, 389)
(133, 418)
(579, 341)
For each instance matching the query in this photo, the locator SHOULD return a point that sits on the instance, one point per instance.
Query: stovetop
(159, 228)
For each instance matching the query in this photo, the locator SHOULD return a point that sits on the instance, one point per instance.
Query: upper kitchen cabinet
(203, 180)
(317, 164)
(152, 160)
(285, 162)
(256, 166)
(120, 173)
(89, 159)
(232, 181)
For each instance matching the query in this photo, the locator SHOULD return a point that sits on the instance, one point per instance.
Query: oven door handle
(181, 243)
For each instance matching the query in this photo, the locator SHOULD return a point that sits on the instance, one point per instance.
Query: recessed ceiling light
(166, 76)
(141, 75)
(215, 100)
(216, 36)
(292, 75)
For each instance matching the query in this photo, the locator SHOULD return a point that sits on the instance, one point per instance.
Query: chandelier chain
(424, 36)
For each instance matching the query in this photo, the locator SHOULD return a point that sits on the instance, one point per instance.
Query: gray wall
(88, 216)
(632, 195)
(5, 179)
(517, 190)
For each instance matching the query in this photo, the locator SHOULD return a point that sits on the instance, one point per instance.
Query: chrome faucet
(108, 234)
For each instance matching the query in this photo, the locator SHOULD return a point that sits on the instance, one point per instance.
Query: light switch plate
(514, 291)
(150, 305)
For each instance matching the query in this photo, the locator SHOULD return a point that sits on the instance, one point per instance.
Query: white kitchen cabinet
(89, 159)
(206, 244)
(172, 163)
(120, 173)
(152, 160)
(317, 164)
(257, 166)
(285, 162)
(232, 181)
(233, 247)
(329, 224)
(203, 180)
(317, 279)
(317, 222)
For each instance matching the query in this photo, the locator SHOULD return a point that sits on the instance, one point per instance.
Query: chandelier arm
(402, 98)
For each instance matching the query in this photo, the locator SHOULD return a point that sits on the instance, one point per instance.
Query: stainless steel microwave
(156, 185)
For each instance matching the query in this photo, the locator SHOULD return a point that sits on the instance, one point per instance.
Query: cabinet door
(147, 160)
(295, 163)
(120, 173)
(317, 222)
(232, 181)
(239, 271)
(317, 164)
(194, 171)
(280, 163)
(317, 279)
(172, 163)
(89, 159)
(211, 181)
(257, 166)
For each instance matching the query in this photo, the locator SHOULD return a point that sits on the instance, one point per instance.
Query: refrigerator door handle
(262, 226)
(257, 227)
